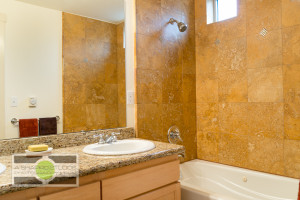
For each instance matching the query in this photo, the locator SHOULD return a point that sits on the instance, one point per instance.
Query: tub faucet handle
(174, 135)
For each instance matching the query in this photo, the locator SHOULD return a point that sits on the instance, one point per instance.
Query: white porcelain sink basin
(2, 168)
(120, 147)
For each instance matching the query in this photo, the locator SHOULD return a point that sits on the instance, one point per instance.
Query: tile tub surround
(248, 86)
(90, 164)
(11, 146)
(165, 71)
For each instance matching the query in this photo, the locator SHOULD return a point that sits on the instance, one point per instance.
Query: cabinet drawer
(142, 181)
(170, 192)
(90, 192)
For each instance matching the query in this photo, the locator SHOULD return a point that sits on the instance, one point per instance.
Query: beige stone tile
(233, 150)
(222, 56)
(233, 118)
(172, 96)
(266, 155)
(95, 92)
(111, 116)
(263, 14)
(96, 70)
(205, 61)
(148, 17)
(291, 45)
(292, 158)
(290, 13)
(73, 25)
(200, 9)
(264, 51)
(172, 115)
(172, 53)
(188, 51)
(71, 88)
(149, 86)
(122, 115)
(189, 121)
(149, 52)
(189, 88)
(292, 121)
(266, 120)
(207, 117)
(231, 55)
(111, 73)
(74, 50)
(265, 84)
(188, 132)
(206, 89)
(74, 118)
(95, 116)
(79, 72)
(207, 146)
(291, 83)
(110, 94)
(233, 86)
(173, 5)
(94, 50)
(149, 118)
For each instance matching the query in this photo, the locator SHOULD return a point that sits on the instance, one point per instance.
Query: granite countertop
(90, 164)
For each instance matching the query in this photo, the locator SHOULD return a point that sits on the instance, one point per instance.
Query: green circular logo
(45, 170)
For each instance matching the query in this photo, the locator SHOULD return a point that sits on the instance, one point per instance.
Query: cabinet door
(88, 192)
(170, 192)
(139, 182)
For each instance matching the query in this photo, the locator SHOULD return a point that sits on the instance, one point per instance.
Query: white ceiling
(104, 10)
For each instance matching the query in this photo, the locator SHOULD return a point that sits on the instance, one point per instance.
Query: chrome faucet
(112, 138)
(108, 139)
(101, 140)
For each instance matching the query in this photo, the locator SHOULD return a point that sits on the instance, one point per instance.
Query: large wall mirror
(61, 60)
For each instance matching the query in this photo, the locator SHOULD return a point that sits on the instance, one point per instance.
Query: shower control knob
(245, 179)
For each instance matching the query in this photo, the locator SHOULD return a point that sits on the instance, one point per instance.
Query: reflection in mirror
(219, 10)
(63, 59)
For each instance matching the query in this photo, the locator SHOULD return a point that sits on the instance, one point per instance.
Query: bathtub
(202, 180)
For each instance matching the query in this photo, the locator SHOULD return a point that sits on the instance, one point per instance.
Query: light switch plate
(14, 101)
(32, 101)
(130, 97)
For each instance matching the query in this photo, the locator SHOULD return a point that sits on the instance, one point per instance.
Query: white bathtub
(202, 180)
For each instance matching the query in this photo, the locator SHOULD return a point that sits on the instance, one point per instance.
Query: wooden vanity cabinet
(89, 191)
(152, 180)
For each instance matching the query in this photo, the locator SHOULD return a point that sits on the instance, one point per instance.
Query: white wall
(2, 100)
(33, 62)
(130, 33)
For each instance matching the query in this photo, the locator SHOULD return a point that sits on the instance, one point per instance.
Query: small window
(219, 10)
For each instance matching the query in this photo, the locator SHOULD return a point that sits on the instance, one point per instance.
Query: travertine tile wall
(121, 75)
(248, 87)
(165, 73)
(90, 75)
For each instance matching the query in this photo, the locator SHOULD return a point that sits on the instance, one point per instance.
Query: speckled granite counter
(90, 164)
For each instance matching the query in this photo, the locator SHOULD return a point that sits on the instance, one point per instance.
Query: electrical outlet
(130, 98)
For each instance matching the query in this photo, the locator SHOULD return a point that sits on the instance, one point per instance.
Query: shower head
(181, 26)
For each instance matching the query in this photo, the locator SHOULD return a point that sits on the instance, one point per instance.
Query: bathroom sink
(2, 168)
(120, 147)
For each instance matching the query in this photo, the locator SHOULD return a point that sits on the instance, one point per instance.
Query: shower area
(231, 86)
